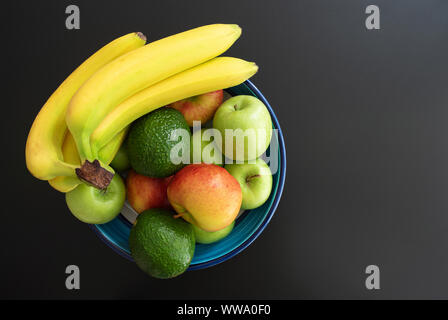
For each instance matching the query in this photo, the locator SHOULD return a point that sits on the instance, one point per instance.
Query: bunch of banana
(102, 108)
(138, 70)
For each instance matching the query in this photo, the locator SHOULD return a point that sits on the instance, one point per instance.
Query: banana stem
(95, 175)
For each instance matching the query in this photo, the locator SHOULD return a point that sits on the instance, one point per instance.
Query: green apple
(252, 118)
(203, 149)
(121, 160)
(92, 205)
(255, 181)
(207, 237)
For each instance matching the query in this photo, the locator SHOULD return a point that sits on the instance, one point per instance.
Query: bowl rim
(262, 226)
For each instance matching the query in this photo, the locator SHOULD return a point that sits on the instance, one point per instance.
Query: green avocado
(162, 245)
(149, 144)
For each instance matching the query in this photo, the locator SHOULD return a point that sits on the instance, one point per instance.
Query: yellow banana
(108, 151)
(218, 73)
(70, 153)
(44, 158)
(140, 69)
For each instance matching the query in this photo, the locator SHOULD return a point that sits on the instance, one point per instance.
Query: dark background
(364, 115)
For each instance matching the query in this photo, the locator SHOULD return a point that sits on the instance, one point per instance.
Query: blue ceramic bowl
(247, 227)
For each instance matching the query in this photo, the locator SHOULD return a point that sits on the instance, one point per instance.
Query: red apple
(205, 195)
(144, 193)
(199, 108)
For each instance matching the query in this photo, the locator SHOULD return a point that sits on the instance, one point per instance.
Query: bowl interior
(116, 233)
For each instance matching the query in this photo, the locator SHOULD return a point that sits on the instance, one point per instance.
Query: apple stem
(178, 215)
(248, 179)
